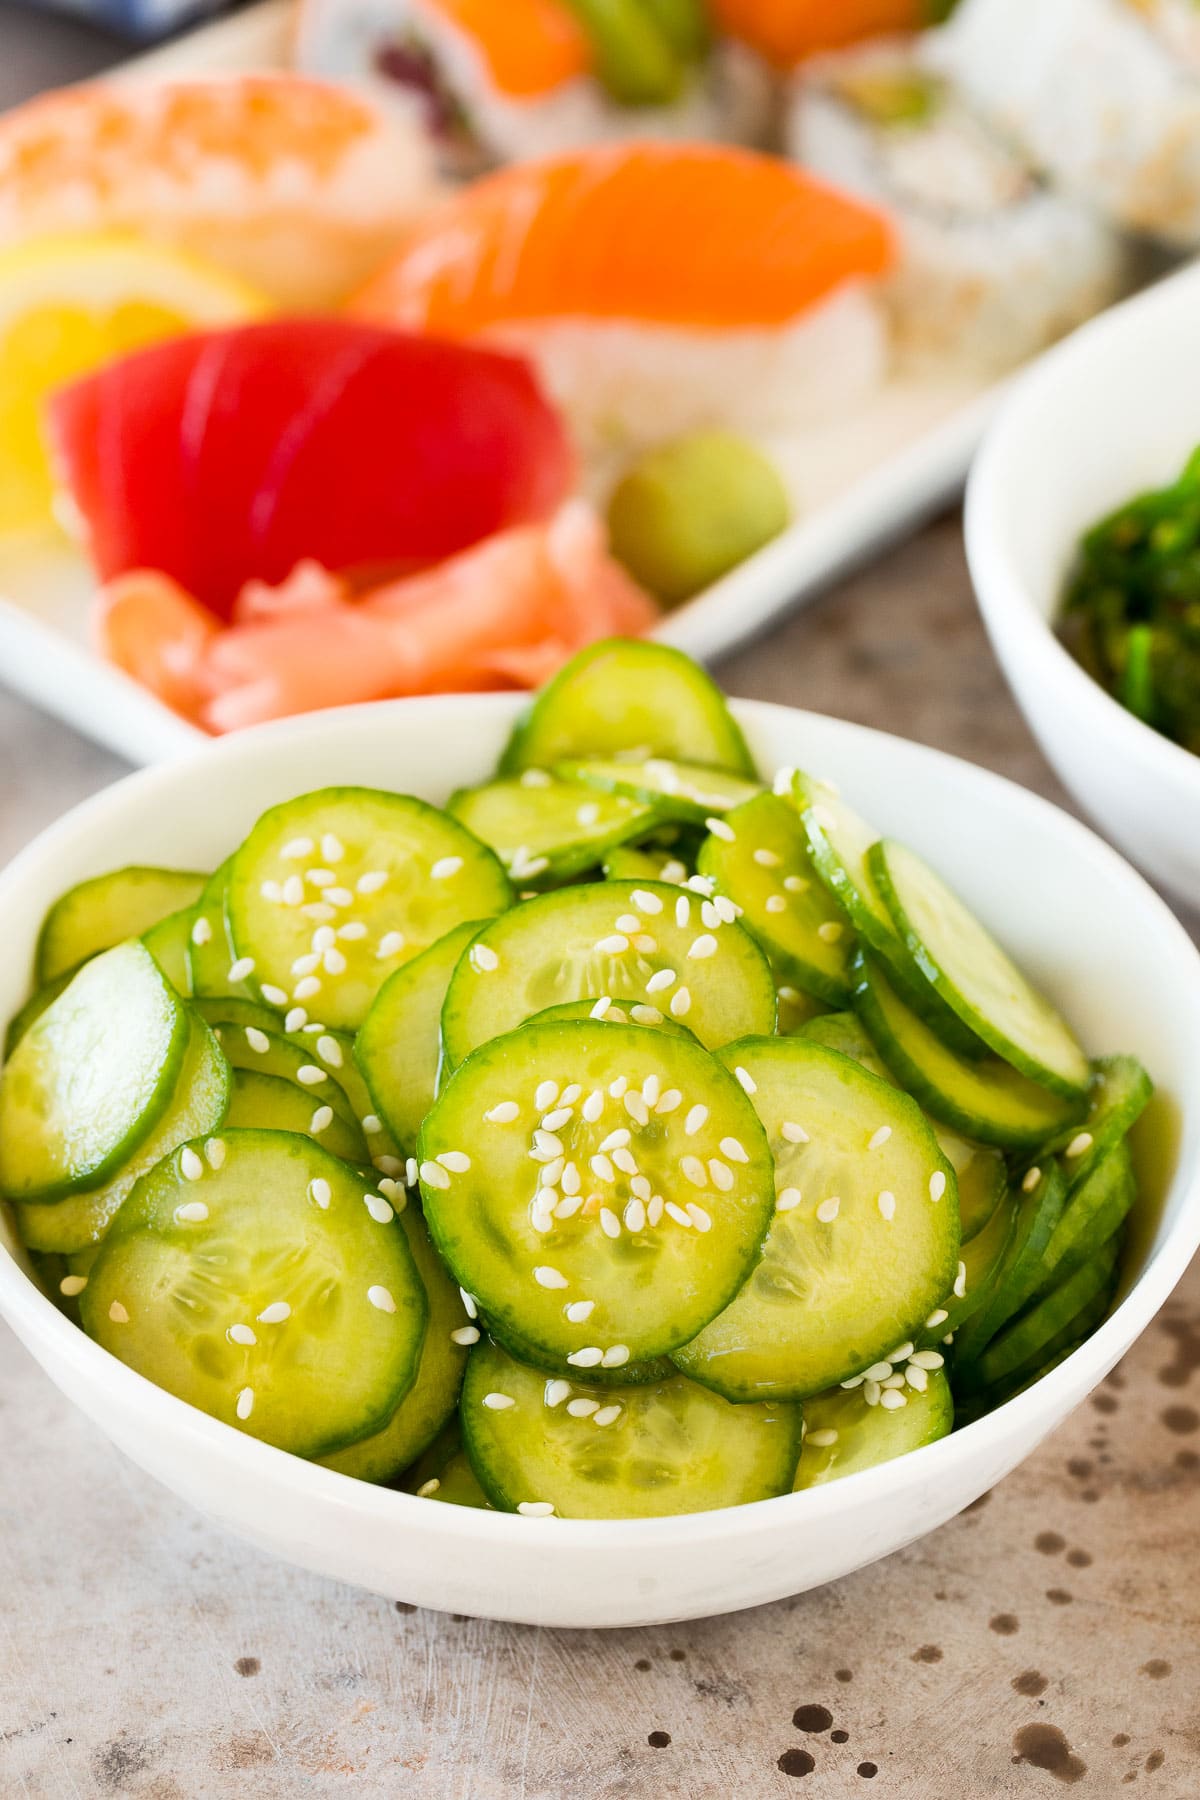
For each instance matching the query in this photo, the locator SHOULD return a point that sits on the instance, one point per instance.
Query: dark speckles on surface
(868, 1770)
(812, 1718)
(1187, 1459)
(1156, 1668)
(1120, 1741)
(247, 1665)
(1004, 1624)
(928, 1653)
(1079, 1559)
(843, 1674)
(658, 1740)
(1080, 1467)
(797, 1762)
(1089, 1495)
(1059, 1596)
(1105, 1403)
(678, 1655)
(1049, 1543)
(1182, 1420)
(405, 1606)
(1030, 1683)
(1185, 1352)
(1044, 1747)
(1155, 1760)
(643, 1663)
(115, 1764)
(839, 1737)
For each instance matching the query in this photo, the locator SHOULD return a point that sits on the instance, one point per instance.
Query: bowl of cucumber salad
(593, 1160)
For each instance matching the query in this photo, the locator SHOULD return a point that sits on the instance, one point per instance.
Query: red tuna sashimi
(230, 456)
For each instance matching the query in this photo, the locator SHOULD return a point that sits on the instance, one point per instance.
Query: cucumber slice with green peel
(210, 953)
(1029, 1340)
(545, 830)
(864, 1241)
(250, 1274)
(628, 695)
(332, 892)
(96, 914)
(444, 1472)
(1119, 1094)
(334, 1050)
(981, 1401)
(1040, 1201)
(431, 1400)
(760, 861)
(981, 1262)
(989, 1100)
(689, 792)
(398, 1048)
(975, 977)
(548, 1165)
(167, 943)
(607, 1012)
(645, 944)
(271, 1103)
(199, 1104)
(644, 864)
(541, 1443)
(33, 1009)
(979, 1169)
(1095, 1211)
(840, 842)
(843, 1434)
(271, 1053)
(91, 1076)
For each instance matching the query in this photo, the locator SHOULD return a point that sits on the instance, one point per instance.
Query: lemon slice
(68, 304)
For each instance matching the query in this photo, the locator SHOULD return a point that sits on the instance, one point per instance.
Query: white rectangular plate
(861, 482)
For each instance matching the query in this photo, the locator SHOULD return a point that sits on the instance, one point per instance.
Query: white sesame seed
(381, 1299)
(693, 1169)
(457, 1161)
(534, 778)
(887, 1204)
(536, 1509)
(928, 1359)
(607, 1415)
(683, 911)
(722, 1174)
(654, 1209)
(610, 1225)
(503, 1113)
(190, 1165)
(701, 1219)
(309, 1075)
(871, 1392)
(703, 946)
(645, 901)
(749, 1085)
(320, 1191)
(498, 1402)
(276, 1314)
(71, 1285)
(662, 978)
(916, 1377)
(734, 1149)
(1080, 1143)
(721, 830)
(766, 859)
(677, 1213)
(892, 1399)
(258, 1040)
(434, 1176)
(304, 965)
(830, 931)
(793, 1133)
(613, 945)
(556, 1392)
(390, 944)
(937, 1317)
(787, 1199)
(445, 867)
(194, 1213)
(960, 1281)
(1031, 1179)
(828, 1210)
(239, 970)
(796, 884)
(615, 1357)
(937, 1185)
(579, 1311)
(636, 1107)
(274, 996)
(305, 989)
(547, 1277)
(593, 1106)
(775, 903)
(878, 1371)
(242, 1334)
(879, 1138)
(587, 1358)
(297, 848)
(697, 1117)
(372, 881)
(681, 1003)
(202, 931)
(214, 1150)
(295, 1019)
(411, 1171)
(582, 1407)
(245, 1403)
(820, 1440)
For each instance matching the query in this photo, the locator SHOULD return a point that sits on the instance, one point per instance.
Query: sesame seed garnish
(381, 1299)
(830, 931)
(887, 1204)
(190, 1165)
(274, 996)
(616, 1356)
(556, 1392)
(305, 988)
(668, 1100)
(610, 1225)
(749, 1085)
(693, 1169)
(292, 891)
(258, 1040)
(457, 1161)
(677, 1213)
(878, 1371)
(916, 1377)
(434, 1176)
(607, 1415)
(766, 859)
(879, 1138)
(214, 1150)
(202, 931)
(309, 1075)
(71, 1285)
(593, 1106)
(654, 1209)
(722, 1174)
(617, 1088)
(796, 884)
(503, 1113)
(928, 1359)
(828, 1210)
(681, 1003)
(787, 1199)
(734, 1149)
(820, 1440)
(646, 902)
(1031, 1179)
(960, 1282)
(612, 945)
(683, 911)
(245, 1403)
(793, 1133)
(775, 903)
(194, 1213)
(697, 1117)
(937, 1317)
(372, 881)
(662, 978)
(242, 1334)
(320, 1191)
(536, 1509)
(1080, 1143)
(390, 944)
(579, 1311)
(296, 1019)
(587, 1358)
(498, 1402)
(582, 1407)
(547, 1277)
(892, 1400)
(243, 967)
(937, 1185)
(701, 1219)
(380, 1210)
(721, 830)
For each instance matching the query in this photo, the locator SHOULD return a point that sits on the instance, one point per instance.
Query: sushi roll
(1103, 95)
(300, 187)
(659, 288)
(994, 264)
(496, 81)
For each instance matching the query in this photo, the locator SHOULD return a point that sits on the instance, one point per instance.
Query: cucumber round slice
(765, 868)
(1042, 1197)
(332, 892)
(689, 792)
(398, 1048)
(33, 1009)
(1095, 1211)
(543, 1444)
(625, 693)
(1030, 1339)
(444, 1473)
(271, 1053)
(433, 1396)
(1119, 1094)
(90, 1077)
(168, 942)
(606, 1012)
(976, 978)
(650, 862)
(982, 1262)
(211, 957)
(545, 830)
(988, 1100)
(864, 1241)
(566, 1192)
(647, 944)
(843, 1433)
(104, 911)
(250, 1275)
(271, 1103)
(199, 1104)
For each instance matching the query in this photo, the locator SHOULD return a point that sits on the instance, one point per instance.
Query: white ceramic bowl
(1114, 410)
(1083, 922)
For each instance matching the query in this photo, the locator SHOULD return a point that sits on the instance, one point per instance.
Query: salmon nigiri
(659, 287)
(785, 31)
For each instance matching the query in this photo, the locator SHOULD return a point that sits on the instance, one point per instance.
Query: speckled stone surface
(1049, 1638)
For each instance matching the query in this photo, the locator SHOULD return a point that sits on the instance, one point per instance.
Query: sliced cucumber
(210, 953)
(444, 1473)
(689, 792)
(865, 1237)
(554, 1227)
(650, 862)
(1119, 1094)
(271, 1103)
(431, 1400)
(628, 696)
(91, 1076)
(33, 1009)
(168, 942)
(271, 1053)
(843, 1433)
(1031, 1338)
(1095, 1211)
(764, 867)
(1040, 1202)
(646, 944)
(627, 1374)
(104, 911)
(332, 892)
(978, 980)
(539, 1444)
(988, 1100)
(399, 1046)
(546, 830)
(606, 1012)
(250, 1275)
(979, 1269)
(198, 1105)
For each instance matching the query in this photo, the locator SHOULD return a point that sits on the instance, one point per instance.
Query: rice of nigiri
(658, 288)
(298, 186)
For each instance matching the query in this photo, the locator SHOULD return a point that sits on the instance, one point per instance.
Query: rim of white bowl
(1003, 597)
(24, 1304)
